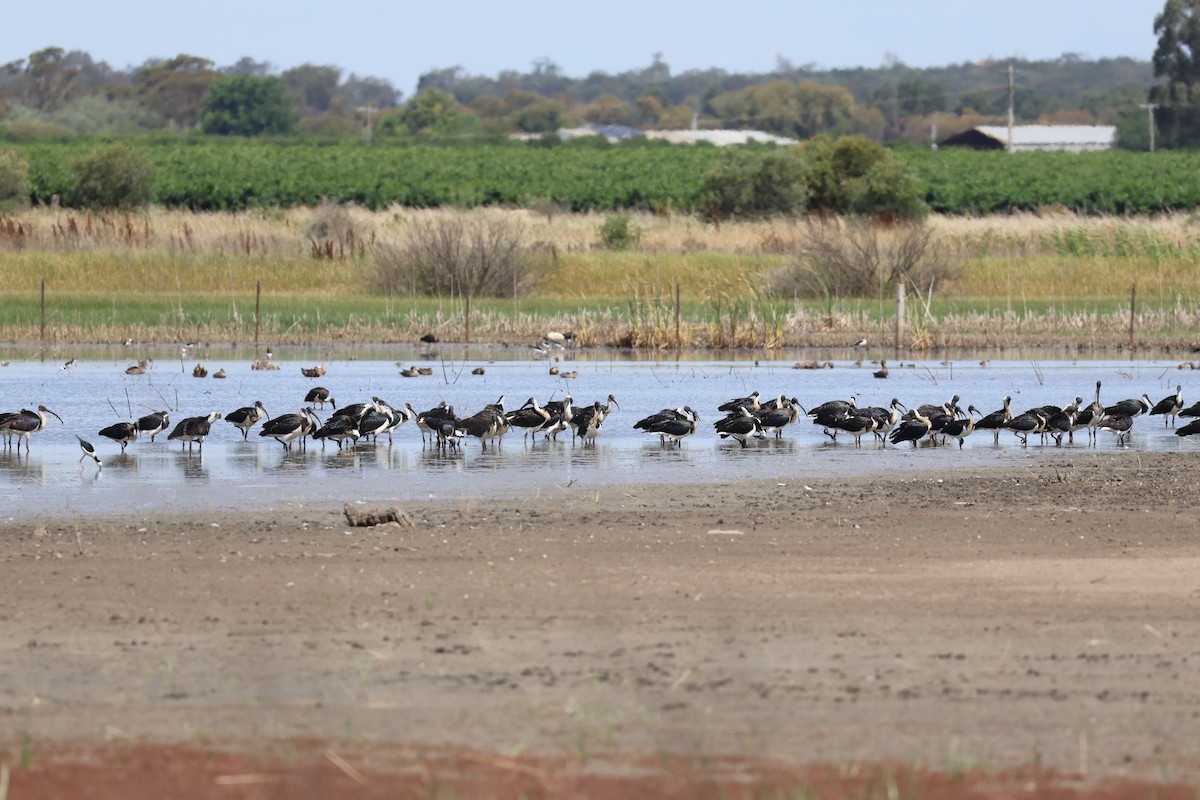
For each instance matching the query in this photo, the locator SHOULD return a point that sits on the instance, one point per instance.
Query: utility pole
(1150, 120)
(368, 110)
(1011, 111)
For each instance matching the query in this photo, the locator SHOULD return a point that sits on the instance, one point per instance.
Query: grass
(170, 276)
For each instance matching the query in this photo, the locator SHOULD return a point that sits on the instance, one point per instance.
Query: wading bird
(684, 424)
(320, 396)
(122, 433)
(88, 451)
(912, 429)
(1169, 406)
(153, 424)
(193, 430)
(740, 425)
(284, 429)
(23, 423)
(246, 418)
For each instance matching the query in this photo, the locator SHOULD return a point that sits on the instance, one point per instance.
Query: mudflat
(991, 634)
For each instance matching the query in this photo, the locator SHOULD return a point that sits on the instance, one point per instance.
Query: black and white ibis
(246, 418)
(487, 425)
(1119, 424)
(996, 421)
(153, 424)
(431, 421)
(750, 403)
(857, 425)
(1087, 417)
(588, 420)
(320, 396)
(1191, 429)
(1191, 411)
(783, 412)
(340, 427)
(288, 427)
(1032, 421)
(1129, 408)
(23, 423)
(193, 430)
(740, 425)
(959, 428)
(912, 429)
(675, 426)
(529, 418)
(122, 433)
(1061, 424)
(885, 419)
(1169, 407)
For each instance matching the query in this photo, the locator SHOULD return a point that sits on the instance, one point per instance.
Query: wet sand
(1012, 619)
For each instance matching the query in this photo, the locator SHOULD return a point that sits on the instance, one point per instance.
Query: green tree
(917, 96)
(1177, 58)
(50, 78)
(608, 109)
(14, 181)
(855, 175)
(649, 109)
(248, 66)
(802, 109)
(432, 113)
(754, 183)
(175, 89)
(538, 118)
(313, 86)
(358, 91)
(245, 105)
(1133, 130)
(113, 176)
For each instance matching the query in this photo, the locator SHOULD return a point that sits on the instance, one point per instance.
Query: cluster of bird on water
(439, 425)
(745, 418)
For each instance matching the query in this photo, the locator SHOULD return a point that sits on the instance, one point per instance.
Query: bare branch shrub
(331, 232)
(860, 258)
(480, 254)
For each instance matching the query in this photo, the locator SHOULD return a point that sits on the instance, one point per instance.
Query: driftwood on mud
(365, 519)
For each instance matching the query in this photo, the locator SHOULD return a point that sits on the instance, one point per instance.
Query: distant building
(720, 138)
(616, 133)
(1069, 138)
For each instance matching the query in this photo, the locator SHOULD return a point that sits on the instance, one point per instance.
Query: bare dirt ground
(1017, 632)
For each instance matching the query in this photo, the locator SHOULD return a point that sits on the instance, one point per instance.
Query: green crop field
(207, 174)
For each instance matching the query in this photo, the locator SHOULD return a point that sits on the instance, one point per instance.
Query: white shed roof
(1054, 137)
(720, 138)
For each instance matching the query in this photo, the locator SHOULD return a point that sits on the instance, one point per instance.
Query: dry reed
(1023, 278)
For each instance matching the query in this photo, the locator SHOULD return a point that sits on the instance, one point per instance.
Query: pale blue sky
(401, 40)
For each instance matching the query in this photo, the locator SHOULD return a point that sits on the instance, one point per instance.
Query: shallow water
(229, 473)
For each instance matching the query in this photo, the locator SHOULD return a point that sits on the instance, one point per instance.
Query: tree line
(56, 92)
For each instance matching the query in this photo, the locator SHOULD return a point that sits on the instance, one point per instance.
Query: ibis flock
(744, 420)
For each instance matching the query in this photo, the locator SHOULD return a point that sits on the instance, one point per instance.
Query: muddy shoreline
(1016, 617)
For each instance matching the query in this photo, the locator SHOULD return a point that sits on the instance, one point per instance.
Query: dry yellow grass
(1024, 275)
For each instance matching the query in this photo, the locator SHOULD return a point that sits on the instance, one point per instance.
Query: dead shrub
(331, 232)
(860, 258)
(480, 254)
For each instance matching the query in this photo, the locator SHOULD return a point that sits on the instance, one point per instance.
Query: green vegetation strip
(237, 174)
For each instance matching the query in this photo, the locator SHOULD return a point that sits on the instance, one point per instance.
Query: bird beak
(60, 419)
